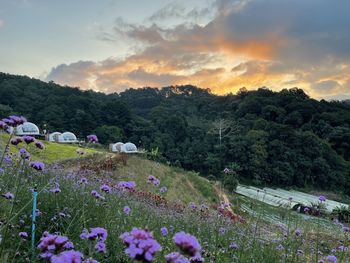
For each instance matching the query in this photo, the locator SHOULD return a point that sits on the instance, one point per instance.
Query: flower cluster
(97, 234)
(126, 185)
(105, 188)
(187, 244)
(153, 180)
(12, 121)
(92, 138)
(52, 244)
(95, 194)
(140, 245)
(39, 166)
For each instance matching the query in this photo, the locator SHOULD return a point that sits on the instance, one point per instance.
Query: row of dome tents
(29, 128)
(120, 147)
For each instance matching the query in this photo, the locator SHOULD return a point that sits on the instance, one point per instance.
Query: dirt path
(223, 198)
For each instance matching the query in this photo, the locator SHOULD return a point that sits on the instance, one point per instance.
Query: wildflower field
(80, 208)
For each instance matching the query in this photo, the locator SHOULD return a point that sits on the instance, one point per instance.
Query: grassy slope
(53, 151)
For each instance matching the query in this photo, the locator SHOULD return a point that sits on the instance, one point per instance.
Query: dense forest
(268, 138)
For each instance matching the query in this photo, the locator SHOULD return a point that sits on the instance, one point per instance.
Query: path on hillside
(223, 197)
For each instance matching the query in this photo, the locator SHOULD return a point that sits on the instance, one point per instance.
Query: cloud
(249, 43)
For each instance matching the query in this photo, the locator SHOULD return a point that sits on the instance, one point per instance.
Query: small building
(27, 128)
(67, 137)
(116, 147)
(54, 137)
(128, 148)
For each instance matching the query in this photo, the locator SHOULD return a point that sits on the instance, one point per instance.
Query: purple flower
(23, 235)
(101, 247)
(163, 189)
(90, 260)
(16, 140)
(69, 245)
(197, 259)
(39, 145)
(24, 154)
(97, 233)
(187, 243)
(176, 257)
(331, 258)
(126, 210)
(192, 205)
(92, 138)
(95, 194)
(222, 230)
(50, 244)
(322, 198)
(226, 170)
(9, 122)
(152, 179)
(55, 190)
(18, 120)
(164, 231)
(9, 195)
(126, 185)
(39, 166)
(1, 170)
(297, 232)
(28, 139)
(306, 209)
(70, 256)
(280, 247)
(140, 244)
(105, 188)
(83, 180)
(3, 125)
(233, 245)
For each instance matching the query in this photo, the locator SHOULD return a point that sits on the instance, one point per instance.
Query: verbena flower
(126, 185)
(39, 166)
(83, 180)
(28, 139)
(280, 247)
(187, 243)
(90, 260)
(95, 194)
(105, 188)
(24, 154)
(39, 145)
(23, 235)
(3, 125)
(164, 231)
(322, 198)
(297, 232)
(9, 196)
(192, 205)
(152, 179)
(96, 234)
(332, 258)
(140, 244)
(69, 245)
(126, 210)
(51, 244)
(55, 190)
(101, 247)
(163, 189)
(18, 120)
(176, 257)
(16, 140)
(233, 245)
(92, 138)
(70, 256)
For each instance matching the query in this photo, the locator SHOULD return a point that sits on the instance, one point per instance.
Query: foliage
(277, 138)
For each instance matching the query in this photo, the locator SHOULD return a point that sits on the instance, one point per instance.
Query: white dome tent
(67, 137)
(116, 147)
(27, 128)
(54, 137)
(128, 148)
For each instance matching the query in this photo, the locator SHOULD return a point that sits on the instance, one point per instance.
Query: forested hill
(276, 138)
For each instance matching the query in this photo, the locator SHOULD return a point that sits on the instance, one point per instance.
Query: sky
(224, 45)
